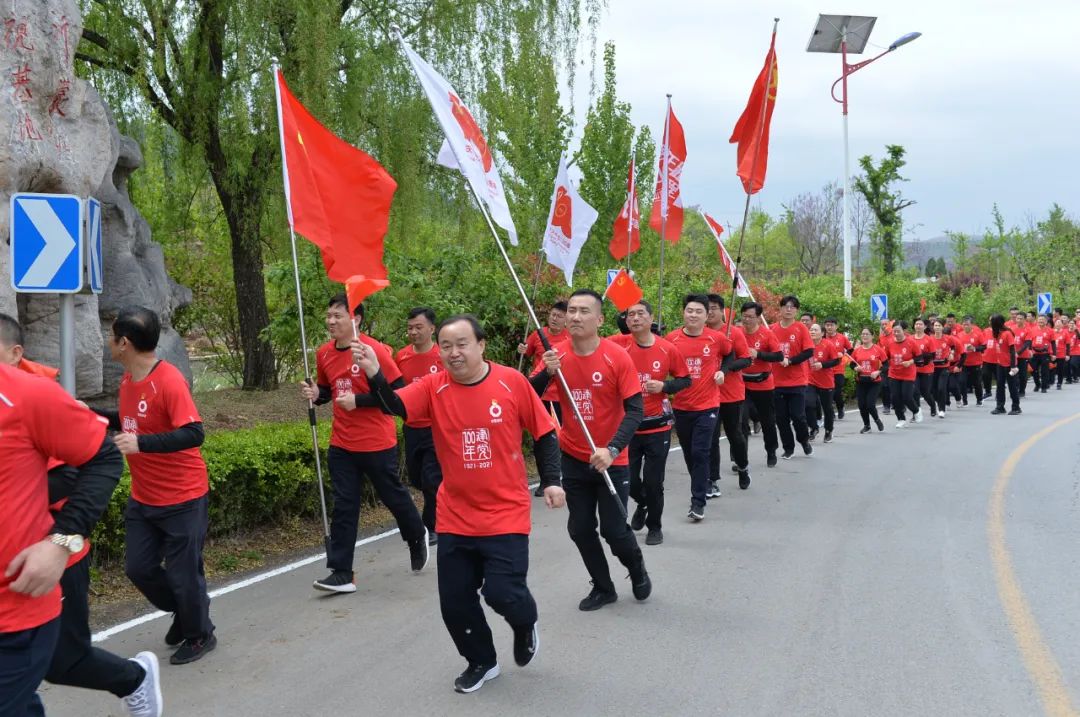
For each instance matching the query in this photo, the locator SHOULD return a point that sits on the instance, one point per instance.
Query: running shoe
(901, 424)
(1015, 412)
(597, 599)
(640, 582)
(474, 677)
(696, 513)
(193, 650)
(918, 416)
(526, 644)
(808, 448)
(714, 489)
(770, 460)
(865, 429)
(339, 581)
(828, 436)
(744, 478)
(419, 553)
(638, 521)
(654, 537)
(145, 701)
(787, 455)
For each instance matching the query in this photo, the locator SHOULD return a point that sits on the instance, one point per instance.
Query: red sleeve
(534, 417)
(178, 401)
(59, 427)
(417, 398)
(533, 346)
(386, 362)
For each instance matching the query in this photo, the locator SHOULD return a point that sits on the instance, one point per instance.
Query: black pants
(956, 387)
(941, 387)
(1022, 376)
(695, 430)
(790, 402)
(76, 662)
(1074, 368)
(973, 382)
(164, 560)
(587, 497)
(811, 403)
(903, 397)
(838, 393)
(423, 468)
(494, 566)
(648, 460)
(1040, 369)
(886, 387)
(924, 389)
(730, 419)
(1003, 380)
(822, 399)
(24, 659)
(988, 373)
(866, 394)
(764, 405)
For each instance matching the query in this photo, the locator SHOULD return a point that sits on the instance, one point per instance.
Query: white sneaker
(918, 416)
(901, 424)
(146, 700)
(941, 413)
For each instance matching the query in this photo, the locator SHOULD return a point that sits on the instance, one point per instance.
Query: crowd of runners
(720, 373)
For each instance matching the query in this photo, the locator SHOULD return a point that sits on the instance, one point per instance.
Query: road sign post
(93, 245)
(1045, 304)
(879, 307)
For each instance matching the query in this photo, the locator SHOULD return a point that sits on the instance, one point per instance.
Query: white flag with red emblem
(667, 202)
(568, 225)
(741, 289)
(465, 148)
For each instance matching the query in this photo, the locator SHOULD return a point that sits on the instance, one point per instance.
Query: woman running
(944, 348)
(924, 368)
(1061, 352)
(901, 352)
(1004, 345)
(822, 377)
(869, 358)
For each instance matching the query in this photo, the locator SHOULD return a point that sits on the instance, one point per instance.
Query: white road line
(254, 580)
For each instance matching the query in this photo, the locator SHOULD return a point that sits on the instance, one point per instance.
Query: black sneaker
(539, 493)
(998, 412)
(1015, 412)
(744, 478)
(828, 436)
(640, 582)
(339, 581)
(840, 414)
(474, 677)
(734, 468)
(713, 491)
(193, 650)
(813, 433)
(886, 410)
(770, 460)
(880, 425)
(175, 635)
(786, 455)
(808, 449)
(865, 429)
(526, 644)
(638, 521)
(418, 552)
(597, 599)
(432, 538)
(654, 537)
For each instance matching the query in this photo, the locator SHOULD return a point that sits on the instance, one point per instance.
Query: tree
(815, 224)
(960, 244)
(877, 185)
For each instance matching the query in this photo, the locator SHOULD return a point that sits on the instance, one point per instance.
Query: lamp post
(844, 34)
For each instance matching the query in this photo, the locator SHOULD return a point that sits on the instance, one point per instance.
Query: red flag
(668, 200)
(338, 197)
(752, 129)
(360, 287)
(626, 233)
(37, 369)
(922, 306)
(623, 291)
(741, 288)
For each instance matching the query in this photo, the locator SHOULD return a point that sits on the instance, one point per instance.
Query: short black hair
(806, 314)
(11, 331)
(470, 319)
(646, 304)
(559, 305)
(702, 299)
(831, 320)
(901, 323)
(588, 292)
(139, 325)
(950, 315)
(716, 299)
(1013, 308)
(790, 299)
(754, 306)
(968, 317)
(342, 300)
(424, 311)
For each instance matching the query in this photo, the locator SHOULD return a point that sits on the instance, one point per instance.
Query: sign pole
(67, 342)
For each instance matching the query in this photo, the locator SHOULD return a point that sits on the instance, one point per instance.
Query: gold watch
(72, 543)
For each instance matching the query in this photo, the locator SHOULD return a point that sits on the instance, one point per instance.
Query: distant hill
(917, 253)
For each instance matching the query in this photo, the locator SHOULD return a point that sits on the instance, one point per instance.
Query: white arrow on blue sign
(46, 243)
(611, 274)
(879, 306)
(1045, 304)
(93, 245)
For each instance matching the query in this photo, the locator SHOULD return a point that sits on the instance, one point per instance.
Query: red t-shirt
(703, 354)
(868, 360)
(824, 350)
(414, 366)
(535, 348)
(600, 382)
(843, 346)
(733, 389)
(1005, 340)
(477, 434)
(1021, 335)
(367, 428)
(793, 340)
(1061, 343)
(1040, 339)
(161, 403)
(38, 421)
(762, 340)
(655, 362)
(925, 344)
(943, 348)
(972, 341)
(898, 352)
(1074, 343)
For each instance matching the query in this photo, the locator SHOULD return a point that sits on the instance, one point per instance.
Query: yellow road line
(1039, 661)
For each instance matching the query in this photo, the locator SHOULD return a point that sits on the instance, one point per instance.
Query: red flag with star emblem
(623, 291)
(752, 130)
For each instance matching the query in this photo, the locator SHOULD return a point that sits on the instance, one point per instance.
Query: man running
(902, 351)
(731, 395)
(533, 349)
(477, 410)
(1022, 331)
(843, 347)
(822, 364)
(1043, 342)
(924, 369)
(764, 349)
(792, 377)
(974, 346)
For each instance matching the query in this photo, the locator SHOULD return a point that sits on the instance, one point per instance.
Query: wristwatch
(72, 543)
(614, 452)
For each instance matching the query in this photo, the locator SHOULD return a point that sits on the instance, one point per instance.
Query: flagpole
(532, 314)
(630, 192)
(753, 173)
(536, 285)
(663, 213)
(300, 312)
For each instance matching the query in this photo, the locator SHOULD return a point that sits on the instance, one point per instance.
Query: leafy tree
(878, 187)
(961, 246)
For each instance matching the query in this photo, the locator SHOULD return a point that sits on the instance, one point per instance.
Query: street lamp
(844, 34)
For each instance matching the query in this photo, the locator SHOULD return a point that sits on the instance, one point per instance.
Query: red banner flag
(752, 129)
(338, 197)
(741, 288)
(626, 234)
(359, 287)
(623, 291)
(667, 203)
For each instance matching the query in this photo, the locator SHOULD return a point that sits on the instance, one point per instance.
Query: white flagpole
(666, 155)
(630, 194)
(300, 313)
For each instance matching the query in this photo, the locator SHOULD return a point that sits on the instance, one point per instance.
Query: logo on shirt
(343, 386)
(495, 410)
(705, 351)
(597, 377)
(583, 398)
(354, 369)
(143, 405)
(656, 365)
(129, 425)
(476, 447)
(693, 367)
(433, 368)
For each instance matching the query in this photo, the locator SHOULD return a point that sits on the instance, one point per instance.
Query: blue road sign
(93, 245)
(611, 274)
(1045, 304)
(879, 307)
(46, 243)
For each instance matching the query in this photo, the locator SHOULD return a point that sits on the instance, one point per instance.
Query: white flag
(568, 224)
(465, 148)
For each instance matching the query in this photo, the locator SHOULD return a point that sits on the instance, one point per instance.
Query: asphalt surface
(858, 581)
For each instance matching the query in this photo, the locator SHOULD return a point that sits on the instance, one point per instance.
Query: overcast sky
(986, 102)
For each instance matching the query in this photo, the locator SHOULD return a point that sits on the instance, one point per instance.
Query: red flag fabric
(922, 306)
(752, 130)
(37, 369)
(338, 197)
(626, 233)
(741, 288)
(359, 287)
(624, 291)
(668, 199)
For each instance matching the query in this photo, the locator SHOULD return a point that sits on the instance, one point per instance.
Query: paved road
(860, 581)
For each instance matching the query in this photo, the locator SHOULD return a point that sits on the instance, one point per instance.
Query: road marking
(1039, 661)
